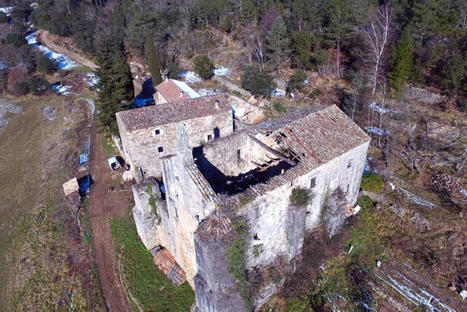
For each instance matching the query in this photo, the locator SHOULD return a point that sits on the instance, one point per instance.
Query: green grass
(152, 290)
(82, 69)
(108, 146)
(372, 182)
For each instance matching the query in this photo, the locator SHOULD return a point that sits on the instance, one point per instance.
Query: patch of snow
(60, 89)
(206, 92)
(190, 77)
(92, 105)
(91, 79)
(463, 294)
(376, 130)
(62, 60)
(222, 71)
(375, 107)
(6, 10)
(416, 199)
(48, 113)
(4, 109)
(277, 92)
(464, 192)
(3, 65)
(182, 85)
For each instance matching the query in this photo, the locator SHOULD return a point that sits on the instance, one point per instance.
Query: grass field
(44, 266)
(148, 288)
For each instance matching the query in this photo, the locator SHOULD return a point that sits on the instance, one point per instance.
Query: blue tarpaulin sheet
(83, 158)
(84, 184)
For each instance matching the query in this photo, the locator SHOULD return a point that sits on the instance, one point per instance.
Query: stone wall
(142, 147)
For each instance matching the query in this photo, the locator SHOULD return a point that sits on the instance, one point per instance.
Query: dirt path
(104, 206)
(50, 40)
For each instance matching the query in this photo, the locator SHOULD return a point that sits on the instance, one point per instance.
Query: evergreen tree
(402, 56)
(153, 60)
(339, 26)
(302, 43)
(278, 43)
(116, 92)
(257, 82)
(203, 66)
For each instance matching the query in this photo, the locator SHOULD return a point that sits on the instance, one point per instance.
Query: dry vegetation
(45, 264)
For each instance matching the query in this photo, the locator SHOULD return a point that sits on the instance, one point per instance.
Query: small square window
(157, 132)
(349, 164)
(313, 182)
(209, 137)
(160, 149)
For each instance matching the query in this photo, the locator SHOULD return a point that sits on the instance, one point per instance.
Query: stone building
(250, 175)
(149, 133)
(172, 90)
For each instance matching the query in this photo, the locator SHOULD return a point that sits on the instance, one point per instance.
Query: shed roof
(153, 116)
(176, 90)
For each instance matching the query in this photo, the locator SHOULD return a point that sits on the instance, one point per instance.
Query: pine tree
(339, 26)
(153, 60)
(402, 57)
(116, 92)
(278, 43)
(302, 43)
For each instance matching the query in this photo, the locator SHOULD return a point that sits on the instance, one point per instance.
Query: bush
(279, 107)
(365, 202)
(297, 81)
(173, 71)
(300, 197)
(372, 182)
(3, 79)
(3, 18)
(45, 65)
(257, 82)
(204, 66)
(15, 39)
(21, 88)
(38, 85)
(314, 94)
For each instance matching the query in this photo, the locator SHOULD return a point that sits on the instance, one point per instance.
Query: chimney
(181, 93)
(216, 104)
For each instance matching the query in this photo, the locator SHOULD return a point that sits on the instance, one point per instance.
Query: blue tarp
(145, 97)
(83, 158)
(84, 184)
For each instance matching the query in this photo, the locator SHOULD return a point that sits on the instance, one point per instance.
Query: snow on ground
(190, 77)
(6, 10)
(60, 89)
(91, 79)
(5, 108)
(62, 60)
(376, 130)
(205, 92)
(222, 71)
(408, 289)
(277, 92)
(375, 107)
(182, 85)
(3, 65)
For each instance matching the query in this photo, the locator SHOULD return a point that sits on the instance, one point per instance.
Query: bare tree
(258, 49)
(376, 35)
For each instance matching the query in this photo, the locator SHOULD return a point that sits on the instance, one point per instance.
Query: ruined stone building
(149, 133)
(245, 177)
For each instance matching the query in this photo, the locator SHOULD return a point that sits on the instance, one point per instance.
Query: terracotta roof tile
(171, 92)
(152, 116)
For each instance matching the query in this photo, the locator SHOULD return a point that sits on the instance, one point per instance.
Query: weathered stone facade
(251, 175)
(144, 146)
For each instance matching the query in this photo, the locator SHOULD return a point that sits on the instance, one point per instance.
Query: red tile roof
(171, 92)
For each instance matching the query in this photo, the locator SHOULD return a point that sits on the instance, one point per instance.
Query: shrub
(3, 18)
(297, 81)
(173, 71)
(235, 256)
(15, 39)
(300, 197)
(372, 182)
(20, 88)
(257, 82)
(16, 76)
(38, 85)
(279, 107)
(45, 65)
(203, 66)
(365, 202)
(3, 79)
(314, 94)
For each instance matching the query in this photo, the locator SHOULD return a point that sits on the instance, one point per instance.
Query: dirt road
(104, 206)
(51, 40)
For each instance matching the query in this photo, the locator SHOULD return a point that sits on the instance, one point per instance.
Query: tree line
(382, 43)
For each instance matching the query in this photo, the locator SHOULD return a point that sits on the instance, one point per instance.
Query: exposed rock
(442, 132)
(145, 218)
